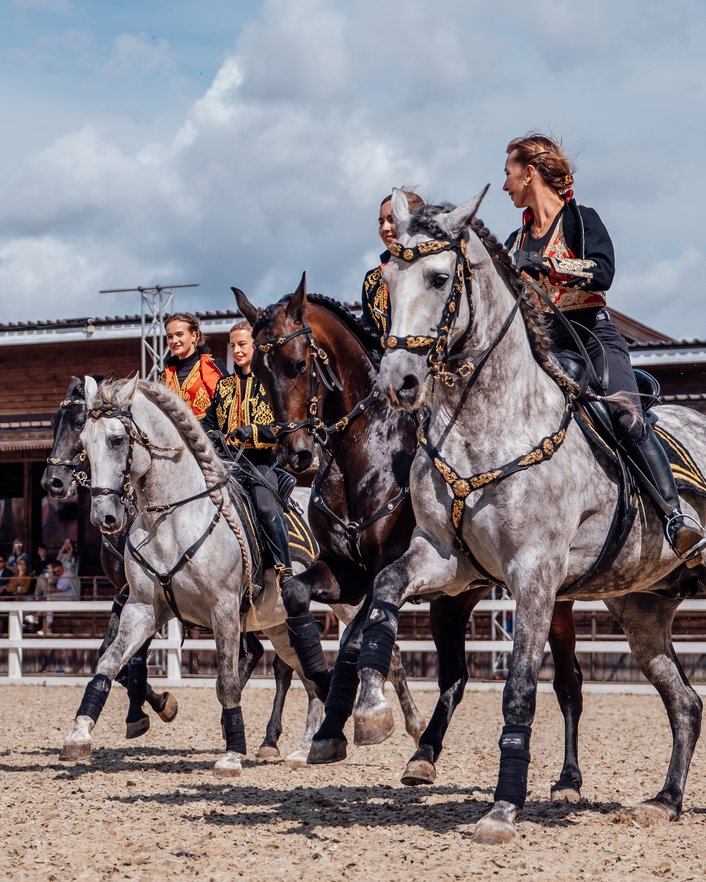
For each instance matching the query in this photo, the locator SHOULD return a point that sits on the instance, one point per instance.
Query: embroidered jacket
(241, 401)
(198, 388)
(581, 255)
(376, 299)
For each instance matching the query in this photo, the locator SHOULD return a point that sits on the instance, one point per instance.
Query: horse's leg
(647, 620)
(135, 680)
(283, 680)
(304, 630)
(535, 606)
(329, 744)
(279, 636)
(137, 623)
(225, 622)
(413, 720)
(568, 679)
(448, 618)
(422, 567)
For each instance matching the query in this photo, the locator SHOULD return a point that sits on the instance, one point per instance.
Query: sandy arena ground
(152, 809)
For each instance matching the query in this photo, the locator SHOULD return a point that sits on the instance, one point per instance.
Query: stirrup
(691, 555)
(282, 573)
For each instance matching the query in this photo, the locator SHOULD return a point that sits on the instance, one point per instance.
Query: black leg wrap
(514, 763)
(122, 677)
(137, 684)
(305, 637)
(341, 695)
(379, 633)
(94, 697)
(234, 729)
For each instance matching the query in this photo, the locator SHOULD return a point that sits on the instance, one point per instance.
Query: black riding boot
(277, 536)
(684, 534)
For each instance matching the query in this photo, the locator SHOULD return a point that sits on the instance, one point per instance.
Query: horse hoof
(328, 750)
(298, 759)
(418, 772)
(74, 751)
(373, 727)
(564, 793)
(652, 812)
(137, 727)
(268, 751)
(228, 766)
(493, 831)
(169, 708)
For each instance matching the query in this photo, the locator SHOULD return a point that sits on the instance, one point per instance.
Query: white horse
(187, 551)
(505, 484)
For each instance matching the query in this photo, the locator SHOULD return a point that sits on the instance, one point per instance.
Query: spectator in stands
(59, 585)
(68, 558)
(18, 553)
(5, 574)
(40, 564)
(19, 585)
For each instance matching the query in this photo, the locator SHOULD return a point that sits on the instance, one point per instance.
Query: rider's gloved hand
(532, 263)
(242, 434)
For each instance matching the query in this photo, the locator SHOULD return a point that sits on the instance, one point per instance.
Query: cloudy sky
(221, 142)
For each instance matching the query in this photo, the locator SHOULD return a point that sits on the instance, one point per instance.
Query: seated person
(241, 412)
(5, 574)
(59, 585)
(18, 553)
(19, 584)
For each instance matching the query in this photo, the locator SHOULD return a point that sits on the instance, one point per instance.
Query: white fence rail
(16, 641)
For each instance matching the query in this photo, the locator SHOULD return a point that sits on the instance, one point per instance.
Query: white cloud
(137, 54)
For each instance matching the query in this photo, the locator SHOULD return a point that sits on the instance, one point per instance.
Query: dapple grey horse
(187, 549)
(506, 484)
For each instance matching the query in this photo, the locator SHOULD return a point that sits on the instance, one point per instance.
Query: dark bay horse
(362, 517)
(67, 466)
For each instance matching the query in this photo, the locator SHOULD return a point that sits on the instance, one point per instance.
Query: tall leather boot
(685, 534)
(277, 536)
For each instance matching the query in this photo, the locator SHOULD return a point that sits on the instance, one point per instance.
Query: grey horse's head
(420, 283)
(106, 439)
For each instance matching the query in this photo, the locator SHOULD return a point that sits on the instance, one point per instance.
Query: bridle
(436, 348)
(321, 372)
(80, 470)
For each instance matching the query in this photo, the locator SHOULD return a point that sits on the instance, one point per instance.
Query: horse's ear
(127, 393)
(400, 210)
(297, 301)
(90, 388)
(454, 221)
(251, 312)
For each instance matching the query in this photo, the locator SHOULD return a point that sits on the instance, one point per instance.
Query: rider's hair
(191, 321)
(241, 326)
(414, 200)
(547, 156)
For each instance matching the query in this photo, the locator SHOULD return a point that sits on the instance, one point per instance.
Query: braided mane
(535, 321)
(367, 339)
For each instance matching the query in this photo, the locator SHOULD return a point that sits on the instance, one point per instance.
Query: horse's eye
(300, 366)
(439, 280)
(115, 440)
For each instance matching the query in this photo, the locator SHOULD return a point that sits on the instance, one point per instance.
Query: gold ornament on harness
(408, 254)
(432, 246)
(478, 481)
(535, 456)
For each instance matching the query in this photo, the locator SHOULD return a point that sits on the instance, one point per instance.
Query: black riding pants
(606, 345)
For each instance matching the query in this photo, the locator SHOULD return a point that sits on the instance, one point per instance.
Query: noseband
(321, 371)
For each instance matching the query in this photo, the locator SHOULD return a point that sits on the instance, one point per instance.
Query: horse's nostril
(56, 483)
(409, 383)
(302, 460)
(109, 520)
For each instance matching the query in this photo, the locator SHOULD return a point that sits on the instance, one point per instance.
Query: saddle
(302, 544)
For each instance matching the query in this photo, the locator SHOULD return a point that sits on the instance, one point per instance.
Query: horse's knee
(295, 596)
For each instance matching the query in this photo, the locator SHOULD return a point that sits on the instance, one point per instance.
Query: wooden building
(38, 360)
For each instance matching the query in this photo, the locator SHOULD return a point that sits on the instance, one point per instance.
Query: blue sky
(243, 142)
